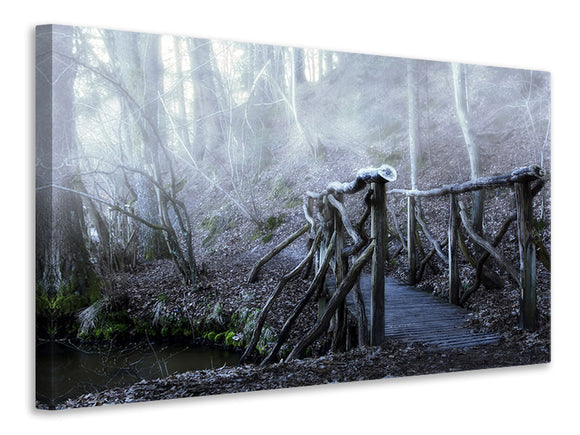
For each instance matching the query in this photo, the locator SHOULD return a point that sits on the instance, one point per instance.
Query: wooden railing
(328, 225)
(526, 183)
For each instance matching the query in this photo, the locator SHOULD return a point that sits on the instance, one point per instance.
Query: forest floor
(232, 250)
(392, 359)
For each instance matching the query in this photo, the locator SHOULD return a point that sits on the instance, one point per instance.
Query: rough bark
(277, 249)
(378, 225)
(528, 302)
(313, 288)
(383, 174)
(264, 312)
(62, 258)
(454, 281)
(486, 245)
(521, 175)
(339, 295)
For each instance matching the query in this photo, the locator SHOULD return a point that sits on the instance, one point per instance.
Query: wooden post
(528, 308)
(339, 271)
(453, 239)
(324, 246)
(411, 241)
(378, 217)
(309, 212)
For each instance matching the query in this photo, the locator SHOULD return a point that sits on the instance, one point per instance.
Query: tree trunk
(208, 134)
(62, 259)
(182, 116)
(460, 87)
(299, 65)
(414, 146)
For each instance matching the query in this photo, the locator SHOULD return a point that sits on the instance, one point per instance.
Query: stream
(64, 371)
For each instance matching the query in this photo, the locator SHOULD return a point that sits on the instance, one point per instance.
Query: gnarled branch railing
(526, 183)
(328, 223)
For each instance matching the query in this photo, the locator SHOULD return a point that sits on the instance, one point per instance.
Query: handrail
(380, 175)
(521, 175)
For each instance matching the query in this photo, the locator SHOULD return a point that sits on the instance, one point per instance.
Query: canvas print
(218, 216)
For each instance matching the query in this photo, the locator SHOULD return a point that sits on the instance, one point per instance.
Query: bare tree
(461, 104)
(62, 259)
(208, 134)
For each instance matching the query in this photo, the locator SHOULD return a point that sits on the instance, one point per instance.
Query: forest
(168, 167)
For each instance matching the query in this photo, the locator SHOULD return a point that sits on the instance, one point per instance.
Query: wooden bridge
(380, 307)
(415, 316)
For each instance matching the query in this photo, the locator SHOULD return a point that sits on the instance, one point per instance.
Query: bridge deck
(412, 315)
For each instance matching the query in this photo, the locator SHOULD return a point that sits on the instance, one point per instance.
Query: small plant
(89, 316)
(216, 318)
(266, 231)
(283, 191)
(230, 338)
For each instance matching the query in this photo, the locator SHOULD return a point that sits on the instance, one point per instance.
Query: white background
(521, 34)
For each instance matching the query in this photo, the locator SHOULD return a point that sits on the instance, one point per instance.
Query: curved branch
(109, 204)
(345, 220)
(277, 249)
(528, 173)
(316, 283)
(262, 316)
(337, 297)
(434, 242)
(383, 174)
(486, 245)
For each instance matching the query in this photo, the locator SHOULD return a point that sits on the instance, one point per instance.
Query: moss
(266, 231)
(229, 338)
(213, 225)
(379, 156)
(283, 191)
(267, 237)
(56, 314)
(273, 222)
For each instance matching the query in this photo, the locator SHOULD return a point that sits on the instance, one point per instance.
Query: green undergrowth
(214, 225)
(266, 231)
(284, 192)
(381, 156)
(97, 323)
(237, 332)
(56, 313)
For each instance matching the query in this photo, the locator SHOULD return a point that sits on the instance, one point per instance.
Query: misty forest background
(194, 150)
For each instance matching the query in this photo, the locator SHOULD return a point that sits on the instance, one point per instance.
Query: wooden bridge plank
(412, 315)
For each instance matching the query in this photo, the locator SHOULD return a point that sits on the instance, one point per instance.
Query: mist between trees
(142, 127)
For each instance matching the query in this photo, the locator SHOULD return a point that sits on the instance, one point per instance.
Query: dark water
(63, 371)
